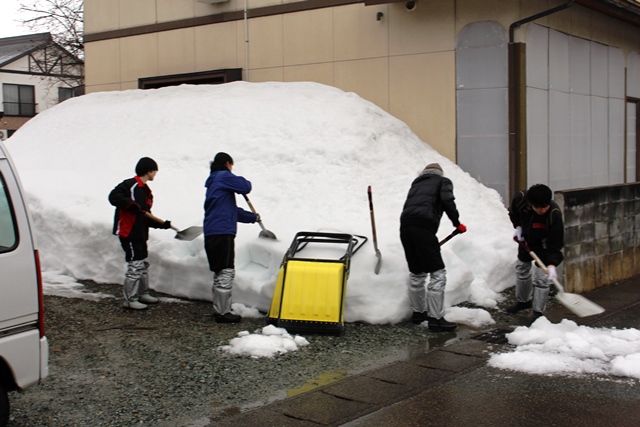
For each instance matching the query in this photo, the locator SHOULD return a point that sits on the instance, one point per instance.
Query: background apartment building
(35, 74)
(514, 91)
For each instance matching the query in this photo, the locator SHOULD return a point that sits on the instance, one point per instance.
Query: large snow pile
(310, 151)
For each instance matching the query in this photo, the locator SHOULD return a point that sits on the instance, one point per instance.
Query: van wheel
(4, 407)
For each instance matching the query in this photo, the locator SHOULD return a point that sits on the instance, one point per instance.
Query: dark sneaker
(535, 316)
(441, 325)
(519, 306)
(418, 317)
(227, 318)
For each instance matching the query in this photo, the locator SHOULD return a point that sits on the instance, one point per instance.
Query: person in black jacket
(538, 221)
(430, 195)
(133, 200)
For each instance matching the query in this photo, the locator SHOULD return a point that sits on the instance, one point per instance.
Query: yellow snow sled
(310, 291)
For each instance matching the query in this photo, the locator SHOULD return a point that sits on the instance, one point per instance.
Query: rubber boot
(535, 316)
(134, 305)
(435, 303)
(518, 306)
(441, 324)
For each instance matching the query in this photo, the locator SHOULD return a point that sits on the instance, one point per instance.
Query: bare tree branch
(64, 19)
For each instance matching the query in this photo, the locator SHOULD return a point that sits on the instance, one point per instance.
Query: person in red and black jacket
(538, 221)
(133, 200)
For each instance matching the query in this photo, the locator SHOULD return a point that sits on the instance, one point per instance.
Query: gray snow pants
(528, 288)
(222, 284)
(136, 279)
(430, 300)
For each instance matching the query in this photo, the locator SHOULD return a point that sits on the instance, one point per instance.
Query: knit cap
(433, 168)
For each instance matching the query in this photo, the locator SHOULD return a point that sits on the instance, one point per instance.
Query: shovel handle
(539, 262)
(253, 210)
(450, 236)
(532, 254)
(158, 220)
(373, 220)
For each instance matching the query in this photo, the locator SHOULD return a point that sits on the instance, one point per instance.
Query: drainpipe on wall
(246, 41)
(517, 103)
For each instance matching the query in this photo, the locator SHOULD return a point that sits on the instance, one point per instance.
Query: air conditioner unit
(212, 1)
(4, 134)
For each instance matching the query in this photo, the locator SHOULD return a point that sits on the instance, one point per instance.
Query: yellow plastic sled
(310, 292)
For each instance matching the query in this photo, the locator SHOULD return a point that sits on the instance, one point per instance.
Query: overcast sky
(8, 14)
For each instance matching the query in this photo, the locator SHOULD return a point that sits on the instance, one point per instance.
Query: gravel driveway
(163, 366)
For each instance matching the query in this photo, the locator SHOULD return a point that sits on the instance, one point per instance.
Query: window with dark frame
(65, 93)
(19, 100)
(226, 75)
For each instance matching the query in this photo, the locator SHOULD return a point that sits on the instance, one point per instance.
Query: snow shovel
(373, 229)
(578, 304)
(264, 233)
(449, 237)
(187, 234)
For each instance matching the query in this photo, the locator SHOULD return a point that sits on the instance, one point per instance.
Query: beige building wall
(404, 62)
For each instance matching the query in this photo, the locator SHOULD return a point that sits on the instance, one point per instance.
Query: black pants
(220, 251)
(134, 251)
(421, 249)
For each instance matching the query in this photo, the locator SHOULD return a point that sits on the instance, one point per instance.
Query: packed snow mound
(310, 152)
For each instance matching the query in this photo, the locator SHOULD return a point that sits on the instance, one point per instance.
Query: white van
(24, 351)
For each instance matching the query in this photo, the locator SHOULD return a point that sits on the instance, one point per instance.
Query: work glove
(517, 234)
(166, 225)
(552, 273)
(461, 228)
(258, 219)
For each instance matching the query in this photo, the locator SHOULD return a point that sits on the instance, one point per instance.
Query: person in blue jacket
(221, 217)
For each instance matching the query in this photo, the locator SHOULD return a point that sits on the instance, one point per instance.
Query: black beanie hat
(220, 161)
(146, 164)
(539, 195)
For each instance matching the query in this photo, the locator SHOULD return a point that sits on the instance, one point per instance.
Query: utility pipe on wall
(246, 41)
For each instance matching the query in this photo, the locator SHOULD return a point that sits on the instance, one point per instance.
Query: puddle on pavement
(323, 379)
(431, 341)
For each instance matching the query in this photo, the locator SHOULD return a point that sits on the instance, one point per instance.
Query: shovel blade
(378, 263)
(579, 305)
(189, 234)
(266, 234)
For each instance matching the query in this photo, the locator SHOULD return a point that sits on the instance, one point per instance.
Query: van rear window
(8, 232)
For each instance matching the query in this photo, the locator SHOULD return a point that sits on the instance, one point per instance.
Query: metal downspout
(517, 102)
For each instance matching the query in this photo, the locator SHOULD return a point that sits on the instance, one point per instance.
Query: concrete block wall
(602, 235)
